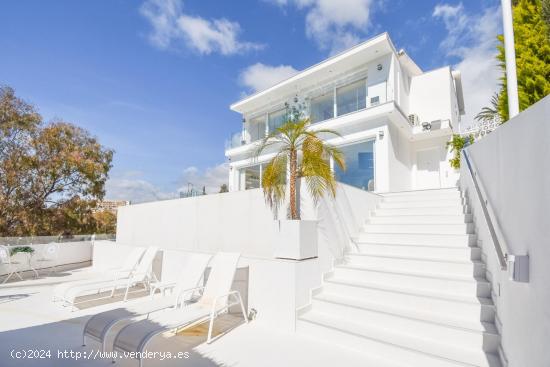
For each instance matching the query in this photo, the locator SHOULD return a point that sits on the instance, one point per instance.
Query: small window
(352, 97)
(276, 119)
(322, 108)
(256, 128)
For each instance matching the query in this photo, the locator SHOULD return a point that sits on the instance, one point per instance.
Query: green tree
(457, 143)
(308, 157)
(532, 45)
(49, 174)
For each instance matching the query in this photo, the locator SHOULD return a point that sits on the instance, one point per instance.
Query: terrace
(30, 321)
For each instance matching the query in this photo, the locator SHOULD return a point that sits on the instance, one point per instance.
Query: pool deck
(29, 320)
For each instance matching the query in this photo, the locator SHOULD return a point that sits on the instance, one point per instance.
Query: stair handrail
(496, 234)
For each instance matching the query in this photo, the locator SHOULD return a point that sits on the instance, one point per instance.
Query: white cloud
(131, 186)
(472, 39)
(210, 178)
(135, 190)
(260, 76)
(171, 25)
(335, 24)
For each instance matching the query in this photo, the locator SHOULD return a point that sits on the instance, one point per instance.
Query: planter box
(295, 239)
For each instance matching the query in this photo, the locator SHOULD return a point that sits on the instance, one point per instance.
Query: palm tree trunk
(293, 168)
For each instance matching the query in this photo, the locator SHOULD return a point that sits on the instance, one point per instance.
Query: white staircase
(414, 293)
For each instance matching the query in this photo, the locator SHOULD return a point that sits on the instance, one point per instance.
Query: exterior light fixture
(380, 134)
(379, 67)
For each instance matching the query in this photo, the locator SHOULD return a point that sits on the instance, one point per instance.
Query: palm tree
(305, 155)
(489, 114)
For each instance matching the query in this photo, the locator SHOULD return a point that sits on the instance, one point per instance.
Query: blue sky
(154, 79)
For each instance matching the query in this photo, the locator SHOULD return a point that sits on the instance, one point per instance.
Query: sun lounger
(142, 273)
(130, 263)
(193, 268)
(215, 299)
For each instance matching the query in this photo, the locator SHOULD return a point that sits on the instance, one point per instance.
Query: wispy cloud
(131, 185)
(172, 27)
(260, 76)
(471, 38)
(335, 24)
(210, 178)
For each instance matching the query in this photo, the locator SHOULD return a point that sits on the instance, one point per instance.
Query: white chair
(193, 268)
(142, 274)
(129, 264)
(49, 254)
(6, 262)
(215, 299)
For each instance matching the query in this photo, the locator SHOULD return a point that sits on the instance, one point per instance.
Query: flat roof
(346, 60)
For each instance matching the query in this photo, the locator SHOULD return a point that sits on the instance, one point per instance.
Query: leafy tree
(546, 14)
(532, 44)
(223, 188)
(307, 156)
(50, 175)
(457, 143)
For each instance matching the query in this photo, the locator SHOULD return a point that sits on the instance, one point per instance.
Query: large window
(251, 177)
(276, 119)
(256, 128)
(352, 97)
(321, 108)
(360, 165)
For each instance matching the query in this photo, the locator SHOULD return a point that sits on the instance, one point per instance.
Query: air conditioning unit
(414, 120)
(436, 124)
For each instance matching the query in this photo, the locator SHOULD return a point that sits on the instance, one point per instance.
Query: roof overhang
(350, 59)
(457, 77)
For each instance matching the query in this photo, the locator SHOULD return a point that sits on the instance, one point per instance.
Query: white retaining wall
(240, 221)
(513, 166)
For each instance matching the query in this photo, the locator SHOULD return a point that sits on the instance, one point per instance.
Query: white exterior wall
(399, 159)
(431, 94)
(379, 82)
(512, 165)
(240, 221)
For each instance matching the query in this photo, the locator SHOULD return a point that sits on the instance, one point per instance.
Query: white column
(511, 75)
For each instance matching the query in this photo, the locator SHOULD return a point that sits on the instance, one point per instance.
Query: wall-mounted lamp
(380, 134)
(379, 67)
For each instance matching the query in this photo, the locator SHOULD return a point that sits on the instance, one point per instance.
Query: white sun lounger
(99, 325)
(130, 263)
(214, 301)
(142, 273)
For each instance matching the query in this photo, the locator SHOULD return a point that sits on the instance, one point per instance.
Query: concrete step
(418, 238)
(443, 304)
(445, 195)
(459, 228)
(428, 192)
(461, 253)
(446, 210)
(406, 262)
(420, 204)
(429, 281)
(384, 342)
(420, 219)
(464, 333)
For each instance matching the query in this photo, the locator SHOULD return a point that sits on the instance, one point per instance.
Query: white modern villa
(411, 264)
(394, 118)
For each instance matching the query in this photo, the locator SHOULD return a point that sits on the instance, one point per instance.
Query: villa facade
(394, 119)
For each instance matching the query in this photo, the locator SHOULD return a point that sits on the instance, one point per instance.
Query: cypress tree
(532, 44)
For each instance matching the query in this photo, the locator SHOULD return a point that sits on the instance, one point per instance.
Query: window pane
(256, 128)
(276, 119)
(360, 166)
(321, 108)
(252, 177)
(351, 97)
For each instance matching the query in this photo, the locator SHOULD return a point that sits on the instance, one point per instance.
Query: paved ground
(30, 321)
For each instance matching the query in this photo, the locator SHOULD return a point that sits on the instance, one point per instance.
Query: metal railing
(498, 243)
